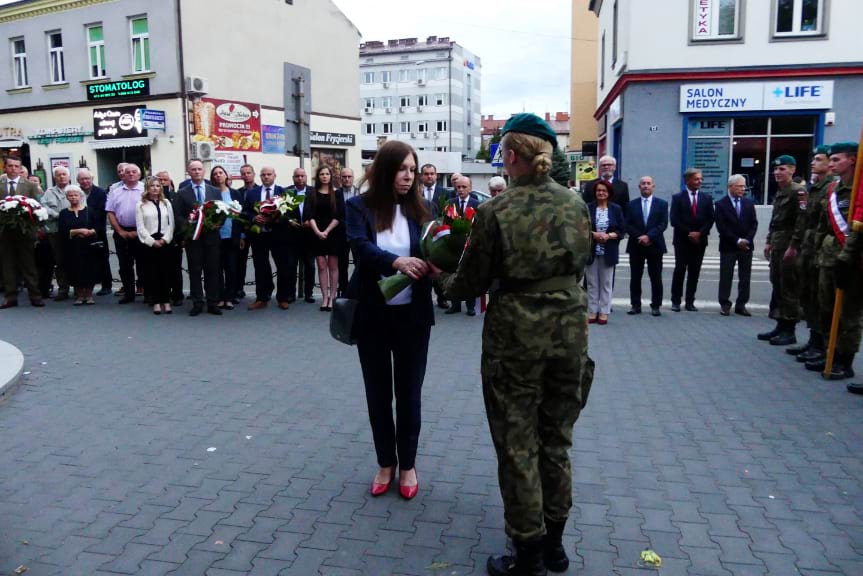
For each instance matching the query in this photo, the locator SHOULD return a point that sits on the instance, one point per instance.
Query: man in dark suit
(648, 219)
(270, 241)
(620, 196)
(298, 242)
(16, 249)
(346, 179)
(692, 219)
(96, 200)
(433, 195)
(462, 202)
(247, 174)
(736, 224)
(202, 255)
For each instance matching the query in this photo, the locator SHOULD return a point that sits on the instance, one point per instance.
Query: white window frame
(404, 101)
(139, 39)
(797, 15)
(440, 73)
(404, 127)
(19, 64)
(387, 128)
(97, 44)
(440, 99)
(386, 76)
(422, 127)
(422, 74)
(56, 59)
(705, 23)
(369, 102)
(423, 100)
(405, 75)
(368, 77)
(441, 126)
(386, 101)
(369, 129)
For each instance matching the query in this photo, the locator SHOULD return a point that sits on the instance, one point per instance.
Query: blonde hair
(532, 149)
(149, 181)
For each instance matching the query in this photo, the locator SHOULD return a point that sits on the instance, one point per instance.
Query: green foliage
(560, 171)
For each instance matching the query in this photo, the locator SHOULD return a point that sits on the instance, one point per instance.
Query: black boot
(785, 336)
(554, 554)
(855, 388)
(797, 350)
(768, 335)
(526, 562)
(816, 350)
(842, 367)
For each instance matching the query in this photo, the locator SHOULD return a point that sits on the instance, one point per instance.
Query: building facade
(424, 93)
(157, 82)
(582, 126)
(727, 86)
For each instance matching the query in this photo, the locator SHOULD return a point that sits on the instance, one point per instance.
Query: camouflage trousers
(848, 336)
(783, 277)
(531, 407)
(807, 275)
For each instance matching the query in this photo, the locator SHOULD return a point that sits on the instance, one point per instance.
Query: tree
(483, 153)
(560, 172)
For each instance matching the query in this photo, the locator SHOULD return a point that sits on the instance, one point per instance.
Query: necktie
(694, 204)
(462, 206)
(198, 194)
(644, 210)
(737, 206)
(11, 187)
(269, 193)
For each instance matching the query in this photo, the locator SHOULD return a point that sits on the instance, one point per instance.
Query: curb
(11, 368)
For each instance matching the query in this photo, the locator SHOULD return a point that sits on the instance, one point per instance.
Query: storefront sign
(122, 89)
(227, 124)
(66, 135)
(8, 132)
(153, 120)
(747, 96)
(333, 139)
(273, 139)
(118, 122)
(708, 150)
(231, 162)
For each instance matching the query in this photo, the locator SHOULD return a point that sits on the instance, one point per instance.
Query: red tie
(694, 204)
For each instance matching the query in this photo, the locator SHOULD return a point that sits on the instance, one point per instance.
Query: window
(55, 58)
(386, 76)
(711, 20)
(440, 99)
(388, 128)
(368, 77)
(441, 126)
(422, 127)
(423, 100)
(404, 127)
(422, 73)
(614, 34)
(96, 48)
(404, 100)
(602, 62)
(440, 73)
(406, 75)
(140, 44)
(19, 52)
(369, 128)
(369, 102)
(387, 101)
(798, 17)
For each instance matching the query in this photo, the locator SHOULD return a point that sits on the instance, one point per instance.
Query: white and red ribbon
(837, 221)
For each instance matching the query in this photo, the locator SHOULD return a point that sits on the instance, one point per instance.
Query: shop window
(19, 52)
(56, 61)
(140, 44)
(798, 18)
(715, 20)
(792, 125)
(750, 125)
(96, 49)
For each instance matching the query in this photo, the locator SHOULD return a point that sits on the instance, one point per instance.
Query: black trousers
(105, 277)
(727, 261)
(263, 246)
(158, 273)
(176, 271)
(242, 268)
(393, 355)
(203, 259)
(44, 259)
(228, 269)
(637, 258)
(344, 257)
(469, 304)
(687, 264)
(298, 257)
(128, 256)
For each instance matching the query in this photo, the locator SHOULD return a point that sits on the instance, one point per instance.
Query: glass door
(749, 158)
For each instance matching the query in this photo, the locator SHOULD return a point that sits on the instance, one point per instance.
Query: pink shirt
(121, 202)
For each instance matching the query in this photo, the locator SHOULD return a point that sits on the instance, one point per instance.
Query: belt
(538, 286)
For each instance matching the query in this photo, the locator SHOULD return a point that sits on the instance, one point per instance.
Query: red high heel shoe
(409, 492)
(379, 489)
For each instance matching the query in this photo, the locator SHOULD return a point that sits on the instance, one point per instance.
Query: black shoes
(725, 310)
(785, 334)
(842, 367)
(655, 312)
(855, 388)
(310, 300)
(690, 308)
(675, 307)
(442, 304)
(742, 311)
(528, 561)
(196, 309)
(553, 554)
(125, 300)
(766, 336)
(453, 310)
(214, 310)
(634, 311)
(105, 291)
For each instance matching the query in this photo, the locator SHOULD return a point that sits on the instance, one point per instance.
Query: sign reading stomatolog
(122, 89)
(229, 125)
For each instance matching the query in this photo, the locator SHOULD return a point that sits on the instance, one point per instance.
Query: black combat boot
(526, 562)
(768, 335)
(842, 367)
(554, 554)
(816, 350)
(785, 336)
(797, 350)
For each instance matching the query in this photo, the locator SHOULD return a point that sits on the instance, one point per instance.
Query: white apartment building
(424, 93)
(725, 86)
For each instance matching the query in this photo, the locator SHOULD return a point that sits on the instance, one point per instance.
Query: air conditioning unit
(425, 134)
(203, 151)
(413, 134)
(419, 108)
(197, 85)
(386, 84)
(421, 82)
(389, 110)
(368, 110)
(402, 108)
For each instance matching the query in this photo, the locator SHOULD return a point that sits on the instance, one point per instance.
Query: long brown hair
(382, 197)
(331, 193)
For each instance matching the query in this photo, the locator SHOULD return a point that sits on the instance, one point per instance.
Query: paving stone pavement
(240, 445)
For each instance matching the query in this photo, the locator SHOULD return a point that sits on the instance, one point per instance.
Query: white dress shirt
(398, 241)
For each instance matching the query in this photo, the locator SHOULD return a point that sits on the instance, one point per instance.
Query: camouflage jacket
(807, 221)
(825, 238)
(854, 243)
(788, 203)
(533, 231)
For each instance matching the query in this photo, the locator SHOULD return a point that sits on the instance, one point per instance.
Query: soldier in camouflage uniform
(803, 240)
(789, 202)
(833, 231)
(534, 239)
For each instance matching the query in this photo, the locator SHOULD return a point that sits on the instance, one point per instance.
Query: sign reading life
(115, 90)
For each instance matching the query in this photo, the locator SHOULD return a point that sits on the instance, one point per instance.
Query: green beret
(823, 149)
(530, 124)
(844, 147)
(786, 160)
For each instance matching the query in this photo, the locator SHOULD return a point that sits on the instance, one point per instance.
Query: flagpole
(837, 302)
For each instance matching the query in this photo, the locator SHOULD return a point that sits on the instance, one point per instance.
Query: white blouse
(398, 241)
(147, 222)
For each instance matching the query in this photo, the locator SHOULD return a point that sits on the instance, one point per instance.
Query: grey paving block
(177, 549)
(129, 562)
(116, 541)
(240, 557)
(197, 563)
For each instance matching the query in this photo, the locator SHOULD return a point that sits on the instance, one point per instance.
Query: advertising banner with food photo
(228, 125)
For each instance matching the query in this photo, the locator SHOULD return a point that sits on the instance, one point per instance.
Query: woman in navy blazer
(383, 227)
(607, 226)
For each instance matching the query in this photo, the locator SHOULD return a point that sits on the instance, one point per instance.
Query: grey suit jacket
(24, 188)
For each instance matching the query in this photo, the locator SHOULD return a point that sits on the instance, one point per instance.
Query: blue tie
(199, 195)
(737, 206)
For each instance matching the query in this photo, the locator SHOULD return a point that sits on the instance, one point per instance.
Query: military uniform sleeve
(476, 270)
(854, 243)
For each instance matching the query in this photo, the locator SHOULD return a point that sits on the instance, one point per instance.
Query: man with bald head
(462, 201)
(120, 208)
(346, 179)
(96, 200)
(298, 249)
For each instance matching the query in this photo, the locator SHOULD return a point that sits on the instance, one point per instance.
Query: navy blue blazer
(684, 222)
(657, 222)
(370, 263)
(252, 197)
(731, 228)
(471, 203)
(96, 200)
(616, 223)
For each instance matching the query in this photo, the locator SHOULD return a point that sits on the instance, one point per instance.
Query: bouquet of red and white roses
(211, 216)
(21, 214)
(442, 242)
(276, 208)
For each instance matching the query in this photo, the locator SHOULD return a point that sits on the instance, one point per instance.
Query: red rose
(469, 213)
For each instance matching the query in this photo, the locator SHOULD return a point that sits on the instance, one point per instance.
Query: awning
(11, 143)
(121, 143)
